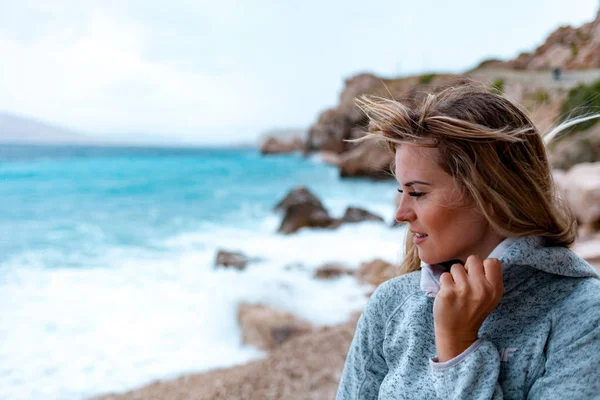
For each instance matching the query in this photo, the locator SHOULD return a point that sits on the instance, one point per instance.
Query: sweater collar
(520, 257)
(430, 274)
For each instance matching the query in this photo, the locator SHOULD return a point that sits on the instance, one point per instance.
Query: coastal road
(568, 79)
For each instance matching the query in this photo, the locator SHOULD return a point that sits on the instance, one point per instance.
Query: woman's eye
(413, 194)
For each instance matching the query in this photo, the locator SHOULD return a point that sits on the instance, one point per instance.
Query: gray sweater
(541, 342)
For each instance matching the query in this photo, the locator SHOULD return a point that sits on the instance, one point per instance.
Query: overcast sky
(221, 71)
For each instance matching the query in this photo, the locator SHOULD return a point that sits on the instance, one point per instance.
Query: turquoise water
(106, 260)
(77, 200)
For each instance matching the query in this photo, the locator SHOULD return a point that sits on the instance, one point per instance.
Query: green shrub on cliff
(426, 79)
(574, 50)
(582, 100)
(498, 85)
(541, 97)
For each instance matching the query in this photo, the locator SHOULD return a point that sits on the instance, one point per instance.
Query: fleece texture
(541, 342)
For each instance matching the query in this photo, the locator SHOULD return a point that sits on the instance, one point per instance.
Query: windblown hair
(491, 148)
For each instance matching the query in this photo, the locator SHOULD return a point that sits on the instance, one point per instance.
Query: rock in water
(331, 271)
(300, 195)
(231, 259)
(355, 214)
(304, 215)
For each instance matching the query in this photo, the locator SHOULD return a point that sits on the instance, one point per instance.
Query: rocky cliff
(567, 47)
(526, 79)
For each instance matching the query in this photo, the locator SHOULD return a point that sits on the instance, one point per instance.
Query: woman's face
(446, 228)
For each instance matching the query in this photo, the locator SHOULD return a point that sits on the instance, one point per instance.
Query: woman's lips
(419, 238)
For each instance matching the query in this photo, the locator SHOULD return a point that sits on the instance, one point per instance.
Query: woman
(492, 304)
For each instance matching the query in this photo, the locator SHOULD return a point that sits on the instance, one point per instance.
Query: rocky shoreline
(306, 367)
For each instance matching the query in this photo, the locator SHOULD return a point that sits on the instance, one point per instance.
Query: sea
(107, 260)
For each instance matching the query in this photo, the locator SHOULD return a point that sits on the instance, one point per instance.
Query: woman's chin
(425, 257)
(429, 258)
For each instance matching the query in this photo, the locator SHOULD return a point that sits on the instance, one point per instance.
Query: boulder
(355, 214)
(561, 180)
(278, 146)
(302, 209)
(589, 250)
(330, 271)
(267, 328)
(580, 187)
(232, 259)
(300, 195)
(376, 272)
(304, 215)
(577, 148)
(369, 159)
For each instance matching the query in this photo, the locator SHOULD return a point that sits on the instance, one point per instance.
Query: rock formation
(302, 209)
(232, 259)
(331, 271)
(376, 272)
(583, 147)
(267, 328)
(567, 48)
(369, 159)
(356, 214)
(580, 187)
(300, 195)
(304, 215)
(278, 146)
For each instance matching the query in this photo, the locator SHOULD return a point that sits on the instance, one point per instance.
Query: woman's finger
(459, 275)
(446, 280)
(475, 267)
(493, 272)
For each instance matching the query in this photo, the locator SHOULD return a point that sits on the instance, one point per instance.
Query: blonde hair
(491, 148)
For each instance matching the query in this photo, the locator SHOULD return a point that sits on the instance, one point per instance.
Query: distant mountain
(17, 129)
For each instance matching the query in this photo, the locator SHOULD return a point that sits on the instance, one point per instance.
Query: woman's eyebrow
(418, 182)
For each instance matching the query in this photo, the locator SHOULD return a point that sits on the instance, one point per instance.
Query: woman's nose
(404, 213)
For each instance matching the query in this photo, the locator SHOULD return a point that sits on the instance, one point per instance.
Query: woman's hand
(467, 296)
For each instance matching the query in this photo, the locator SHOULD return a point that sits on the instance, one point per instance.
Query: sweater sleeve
(473, 374)
(365, 366)
(572, 358)
(573, 351)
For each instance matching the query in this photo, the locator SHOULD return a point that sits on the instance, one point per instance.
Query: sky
(227, 71)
